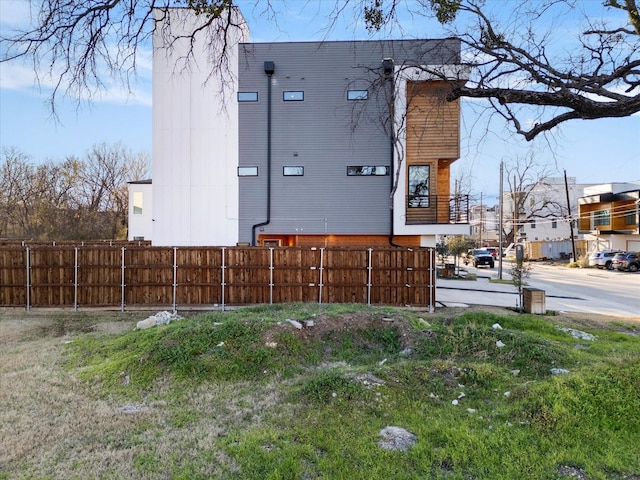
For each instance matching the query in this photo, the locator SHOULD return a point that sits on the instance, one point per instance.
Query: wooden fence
(183, 277)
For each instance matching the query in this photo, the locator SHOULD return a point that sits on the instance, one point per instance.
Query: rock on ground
(160, 318)
(397, 438)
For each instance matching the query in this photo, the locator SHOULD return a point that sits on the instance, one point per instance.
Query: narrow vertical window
(630, 218)
(137, 203)
(418, 186)
(602, 217)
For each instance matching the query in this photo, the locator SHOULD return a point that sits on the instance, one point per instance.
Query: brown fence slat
(52, 276)
(199, 276)
(99, 276)
(13, 277)
(148, 276)
(129, 275)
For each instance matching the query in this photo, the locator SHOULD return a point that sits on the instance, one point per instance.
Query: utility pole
(516, 208)
(481, 219)
(500, 226)
(573, 240)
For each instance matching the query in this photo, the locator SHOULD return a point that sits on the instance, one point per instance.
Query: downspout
(387, 68)
(269, 68)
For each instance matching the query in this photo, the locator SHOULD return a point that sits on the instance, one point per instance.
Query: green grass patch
(482, 401)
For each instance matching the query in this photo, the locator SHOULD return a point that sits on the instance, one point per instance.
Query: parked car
(492, 250)
(603, 259)
(479, 256)
(627, 261)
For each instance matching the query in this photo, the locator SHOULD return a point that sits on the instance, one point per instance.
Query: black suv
(479, 256)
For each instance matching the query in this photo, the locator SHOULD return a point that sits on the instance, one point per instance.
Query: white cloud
(16, 77)
(15, 13)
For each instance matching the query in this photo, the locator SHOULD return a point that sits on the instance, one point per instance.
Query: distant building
(610, 216)
(544, 213)
(485, 224)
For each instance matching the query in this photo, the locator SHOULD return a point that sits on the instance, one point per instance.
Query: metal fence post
(175, 279)
(432, 277)
(320, 284)
(270, 275)
(28, 253)
(223, 266)
(122, 284)
(369, 267)
(75, 280)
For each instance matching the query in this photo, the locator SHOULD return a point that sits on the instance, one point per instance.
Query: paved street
(566, 289)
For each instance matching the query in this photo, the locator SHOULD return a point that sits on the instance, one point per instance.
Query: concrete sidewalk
(461, 293)
(458, 293)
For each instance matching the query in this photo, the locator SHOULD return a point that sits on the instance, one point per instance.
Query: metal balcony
(437, 209)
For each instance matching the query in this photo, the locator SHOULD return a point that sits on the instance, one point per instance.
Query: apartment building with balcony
(303, 143)
(609, 216)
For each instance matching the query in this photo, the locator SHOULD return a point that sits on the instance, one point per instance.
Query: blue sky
(595, 151)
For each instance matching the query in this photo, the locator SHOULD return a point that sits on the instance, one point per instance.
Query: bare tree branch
(515, 63)
(80, 45)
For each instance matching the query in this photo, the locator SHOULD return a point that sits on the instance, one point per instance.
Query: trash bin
(450, 270)
(534, 301)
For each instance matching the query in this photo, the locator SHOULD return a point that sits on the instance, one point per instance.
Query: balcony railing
(430, 209)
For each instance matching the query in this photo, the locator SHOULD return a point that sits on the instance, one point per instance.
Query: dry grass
(46, 420)
(53, 426)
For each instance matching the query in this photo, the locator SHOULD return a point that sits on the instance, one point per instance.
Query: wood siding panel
(433, 124)
(433, 138)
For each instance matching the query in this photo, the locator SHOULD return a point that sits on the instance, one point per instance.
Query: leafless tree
(32, 196)
(523, 202)
(516, 65)
(73, 199)
(14, 174)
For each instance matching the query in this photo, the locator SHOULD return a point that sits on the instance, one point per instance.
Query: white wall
(549, 190)
(617, 241)
(195, 137)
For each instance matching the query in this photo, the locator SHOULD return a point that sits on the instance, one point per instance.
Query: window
(293, 96)
(554, 224)
(418, 186)
(602, 217)
(247, 171)
(630, 218)
(356, 171)
(293, 171)
(533, 223)
(247, 96)
(137, 203)
(357, 95)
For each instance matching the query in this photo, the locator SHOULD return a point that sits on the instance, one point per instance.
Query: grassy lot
(245, 394)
